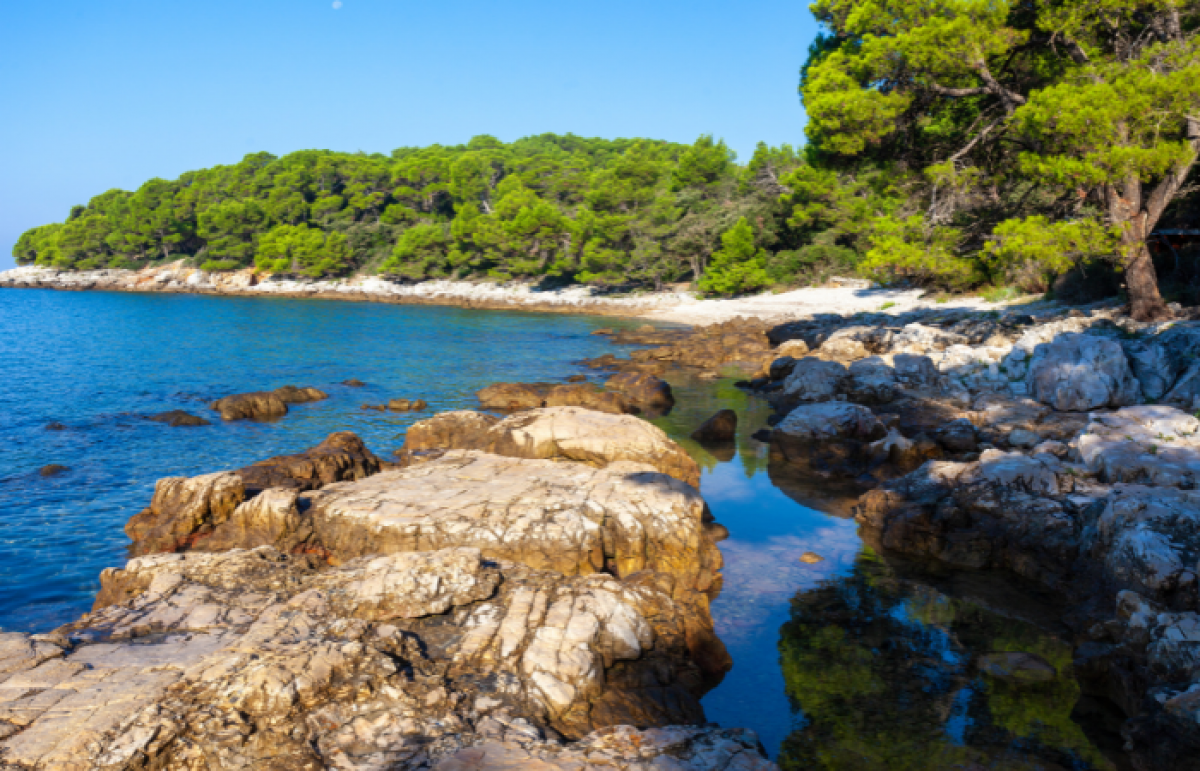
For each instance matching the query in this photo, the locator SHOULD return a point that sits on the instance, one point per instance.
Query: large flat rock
(570, 517)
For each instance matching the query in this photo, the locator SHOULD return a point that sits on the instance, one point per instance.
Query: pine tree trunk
(1137, 216)
(1145, 302)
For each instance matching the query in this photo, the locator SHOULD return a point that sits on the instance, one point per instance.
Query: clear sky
(109, 93)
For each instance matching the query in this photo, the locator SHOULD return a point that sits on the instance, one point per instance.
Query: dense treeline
(951, 143)
(607, 212)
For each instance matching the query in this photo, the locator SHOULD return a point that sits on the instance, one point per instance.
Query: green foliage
(1032, 251)
(739, 266)
(1079, 120)
(303, 250)
(623, 212)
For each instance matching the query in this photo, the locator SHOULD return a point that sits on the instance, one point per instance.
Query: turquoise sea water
(841, 664)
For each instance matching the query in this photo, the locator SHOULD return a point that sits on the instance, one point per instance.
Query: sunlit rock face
(257, 659)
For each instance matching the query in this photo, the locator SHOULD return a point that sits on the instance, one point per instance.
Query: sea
(846, 659)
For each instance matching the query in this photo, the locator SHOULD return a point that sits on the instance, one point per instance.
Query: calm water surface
(840, 664)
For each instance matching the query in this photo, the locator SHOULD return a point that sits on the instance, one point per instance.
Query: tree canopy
(607, 212)
(1044, 131)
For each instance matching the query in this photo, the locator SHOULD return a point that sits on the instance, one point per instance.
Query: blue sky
(105, 93)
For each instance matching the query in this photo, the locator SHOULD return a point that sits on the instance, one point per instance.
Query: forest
(953, 144)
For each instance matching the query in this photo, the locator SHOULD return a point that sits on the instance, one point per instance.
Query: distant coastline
(177, 278)
(843, 296)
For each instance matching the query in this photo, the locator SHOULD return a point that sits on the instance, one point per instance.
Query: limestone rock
(796, 349)
(644, 390)
(259, 405)
(513, 396)
(567, 517)
(720, 428)
(781, 367)
(510, 397)
(590, 397)
(914, 370)
(918, 338)
(830, 437)
(183, 509)
(1077, 373)
(622, 748)
(958, 436)
(872, 381)
(294, 395)
(341, 457)
(406, 405)
(457, 430)
(176, 418)
(1153, 445)
(1149, 539)
(852, 343)
(568, 433)
(253, 659)
(1160, 361)
(814, 380)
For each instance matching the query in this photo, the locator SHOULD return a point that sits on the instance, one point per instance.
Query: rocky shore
(668, 306)
(1061, 448)
(526, 592)
(532, 590)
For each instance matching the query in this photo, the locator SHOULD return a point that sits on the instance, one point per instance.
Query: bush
(217, 266)
(738, 267)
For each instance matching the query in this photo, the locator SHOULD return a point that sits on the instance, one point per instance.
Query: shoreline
(674, 307)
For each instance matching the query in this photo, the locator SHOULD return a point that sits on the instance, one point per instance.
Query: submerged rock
(52, 470)
(177, 418)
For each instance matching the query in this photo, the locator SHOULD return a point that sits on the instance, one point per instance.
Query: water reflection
(843, 663)
(887, 673)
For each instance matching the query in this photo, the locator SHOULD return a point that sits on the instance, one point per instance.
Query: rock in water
(52, 470)
(569, 433)
(341, 457)
(353, 383)
(644, 390)
(406, 405)
(294, 395)
(186, 512)
(1017, 667)
(253, 659)
(830, 437)
(258, 405)
(513, 396)
(176, 418)
(721, 428)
